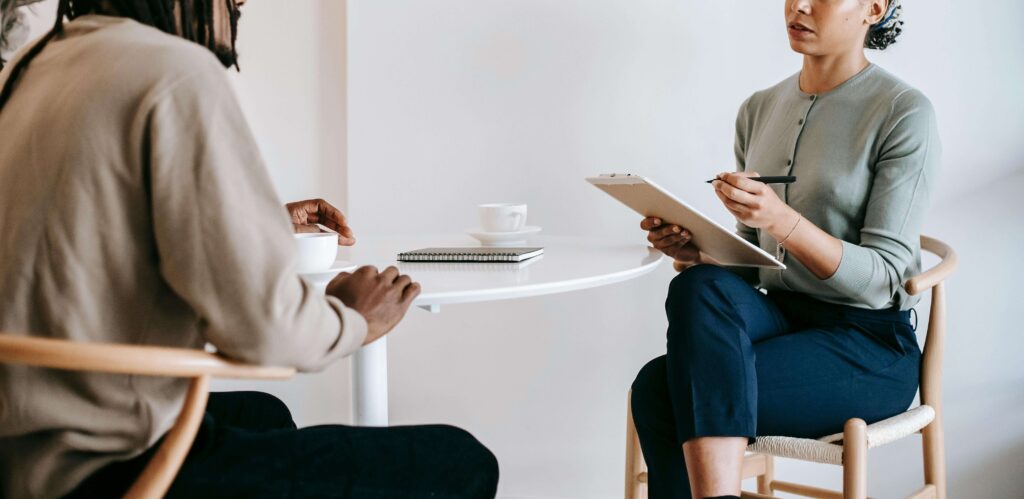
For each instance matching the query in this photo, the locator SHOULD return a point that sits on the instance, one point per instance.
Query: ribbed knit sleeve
(908, 162)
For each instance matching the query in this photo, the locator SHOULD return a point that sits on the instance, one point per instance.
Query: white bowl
(315, 252)
(324, 277)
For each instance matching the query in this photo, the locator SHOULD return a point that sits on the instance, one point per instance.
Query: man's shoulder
(151, 57)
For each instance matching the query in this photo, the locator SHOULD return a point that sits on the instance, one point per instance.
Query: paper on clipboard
(649, 200)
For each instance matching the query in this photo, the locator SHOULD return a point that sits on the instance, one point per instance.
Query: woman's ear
(876, 11)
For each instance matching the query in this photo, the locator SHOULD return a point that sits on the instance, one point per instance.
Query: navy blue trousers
(742, 363)
(249, 447)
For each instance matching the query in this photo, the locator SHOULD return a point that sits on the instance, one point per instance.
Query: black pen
(768, 180)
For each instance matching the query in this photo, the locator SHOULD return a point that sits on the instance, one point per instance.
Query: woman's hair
(883, 34)
(196, 24)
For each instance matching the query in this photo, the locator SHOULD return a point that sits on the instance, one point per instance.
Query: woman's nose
(801, 6)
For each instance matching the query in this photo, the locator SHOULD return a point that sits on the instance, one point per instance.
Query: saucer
(325, 276)
(503, 238)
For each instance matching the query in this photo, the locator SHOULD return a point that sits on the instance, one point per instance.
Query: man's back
(124, 157)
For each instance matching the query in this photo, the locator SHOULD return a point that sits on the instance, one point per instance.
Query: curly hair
(882, 35)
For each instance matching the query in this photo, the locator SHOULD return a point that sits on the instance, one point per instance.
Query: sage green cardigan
(866, 155)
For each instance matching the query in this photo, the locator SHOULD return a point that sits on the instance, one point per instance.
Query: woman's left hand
(753, 203)
(306, 214)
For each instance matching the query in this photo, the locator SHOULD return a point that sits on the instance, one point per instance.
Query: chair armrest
(926, 280)
(129, 359)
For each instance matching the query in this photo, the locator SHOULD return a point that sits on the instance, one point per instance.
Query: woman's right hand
(673, 241)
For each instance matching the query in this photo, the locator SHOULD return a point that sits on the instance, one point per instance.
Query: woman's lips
(799, 31)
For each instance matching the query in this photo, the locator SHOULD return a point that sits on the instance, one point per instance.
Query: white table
(568, 264)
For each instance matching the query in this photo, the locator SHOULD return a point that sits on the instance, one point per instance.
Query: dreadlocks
(196, 23)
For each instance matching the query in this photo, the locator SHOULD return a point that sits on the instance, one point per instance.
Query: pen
(768, 180)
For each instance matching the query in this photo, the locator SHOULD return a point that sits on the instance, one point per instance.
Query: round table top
(568, 264)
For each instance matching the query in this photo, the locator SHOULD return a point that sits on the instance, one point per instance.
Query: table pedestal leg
(370, 384)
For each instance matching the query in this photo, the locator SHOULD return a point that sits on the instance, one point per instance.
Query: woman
(831, 339)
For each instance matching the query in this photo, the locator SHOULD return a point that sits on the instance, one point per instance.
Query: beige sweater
(135, 208)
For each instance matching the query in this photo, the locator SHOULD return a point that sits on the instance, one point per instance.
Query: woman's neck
(825, 72)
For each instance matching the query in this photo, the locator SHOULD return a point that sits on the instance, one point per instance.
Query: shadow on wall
(980, 479)
(983, 377)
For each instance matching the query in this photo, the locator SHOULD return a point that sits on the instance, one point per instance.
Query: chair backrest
(127, 359)
(199, 366)
(934, 279)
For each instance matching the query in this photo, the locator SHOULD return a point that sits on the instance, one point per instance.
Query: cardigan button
(789, 162)
(801, 122)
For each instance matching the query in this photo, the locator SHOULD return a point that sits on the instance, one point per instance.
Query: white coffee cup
(502, 217)
(316, 251)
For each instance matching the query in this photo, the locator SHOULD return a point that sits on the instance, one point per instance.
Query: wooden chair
(197, 365)
(849, 448)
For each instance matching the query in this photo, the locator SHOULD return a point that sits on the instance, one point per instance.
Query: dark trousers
(743, 364)
(248, 446)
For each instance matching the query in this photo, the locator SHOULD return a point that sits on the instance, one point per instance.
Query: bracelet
(780, 250)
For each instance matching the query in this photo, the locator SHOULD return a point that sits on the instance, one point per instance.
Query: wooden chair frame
(855, 443)
(196, 365)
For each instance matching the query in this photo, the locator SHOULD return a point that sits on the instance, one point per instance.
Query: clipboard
(649, 200)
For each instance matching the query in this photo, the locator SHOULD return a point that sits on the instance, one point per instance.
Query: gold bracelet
(780, 250)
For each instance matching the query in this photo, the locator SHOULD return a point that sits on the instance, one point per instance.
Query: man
(134, 208)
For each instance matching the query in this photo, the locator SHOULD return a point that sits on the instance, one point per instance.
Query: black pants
(248, 446)
(742, 364)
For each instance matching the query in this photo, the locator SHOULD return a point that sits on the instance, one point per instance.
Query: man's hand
(381, 298)
(306, 214)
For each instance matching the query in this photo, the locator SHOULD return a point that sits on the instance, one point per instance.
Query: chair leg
(158, 475)
(931, 393)
(934, 456)
(855, 459)
(634, 457)
(764, 481)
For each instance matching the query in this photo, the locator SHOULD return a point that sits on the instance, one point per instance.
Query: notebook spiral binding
(467, 255)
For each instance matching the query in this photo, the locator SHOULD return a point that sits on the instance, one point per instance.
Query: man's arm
(225, 245)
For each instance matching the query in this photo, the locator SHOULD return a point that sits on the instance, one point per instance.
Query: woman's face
(826, 27)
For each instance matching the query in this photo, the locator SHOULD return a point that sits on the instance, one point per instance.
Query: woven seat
(829, 449)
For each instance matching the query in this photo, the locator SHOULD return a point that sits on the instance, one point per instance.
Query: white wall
(457, 102)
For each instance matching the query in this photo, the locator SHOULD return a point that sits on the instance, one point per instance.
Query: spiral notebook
(470, 254)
